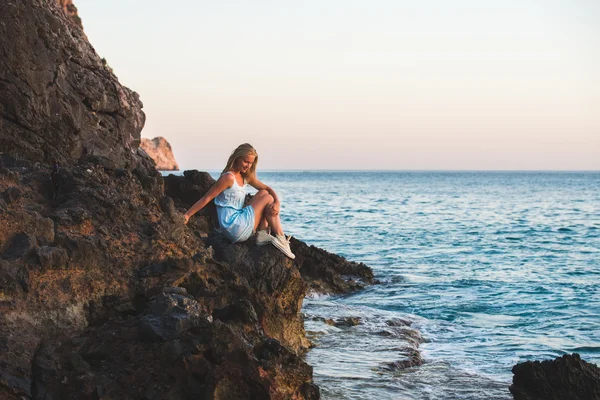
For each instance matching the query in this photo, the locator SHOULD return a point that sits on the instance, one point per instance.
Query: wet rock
(410, 335)
(566, 377)
(398, 322)
(347, 322)
(411, 358)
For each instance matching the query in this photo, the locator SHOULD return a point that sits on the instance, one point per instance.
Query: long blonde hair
(241, 151)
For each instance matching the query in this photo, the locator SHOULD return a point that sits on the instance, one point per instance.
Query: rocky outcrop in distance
(104, 292)
(567, 377)
(161, 153)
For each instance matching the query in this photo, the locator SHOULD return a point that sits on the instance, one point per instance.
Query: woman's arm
(224, 182)
(258, 185)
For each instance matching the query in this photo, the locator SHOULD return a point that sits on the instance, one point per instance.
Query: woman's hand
(273, 209)
(186, 218)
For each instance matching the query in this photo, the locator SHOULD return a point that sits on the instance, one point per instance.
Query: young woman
(237, 222)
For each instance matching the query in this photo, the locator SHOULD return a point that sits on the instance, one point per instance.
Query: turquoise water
(490, 269)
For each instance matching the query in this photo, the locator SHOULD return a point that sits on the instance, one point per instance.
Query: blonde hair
(241, 151)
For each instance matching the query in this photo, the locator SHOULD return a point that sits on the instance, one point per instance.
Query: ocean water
(477, 270)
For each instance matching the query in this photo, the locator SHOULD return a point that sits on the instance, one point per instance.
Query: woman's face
(243, 164)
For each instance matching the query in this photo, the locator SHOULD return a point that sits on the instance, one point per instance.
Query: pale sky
(344, 84)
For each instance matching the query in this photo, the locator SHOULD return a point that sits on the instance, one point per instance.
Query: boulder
(566, 377)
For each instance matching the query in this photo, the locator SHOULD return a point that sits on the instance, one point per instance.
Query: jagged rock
(242, 310)
(273, 276)
(58, 101)
(170, 314)
(566, 377)
(71, 11)
(161, 153)
(186, 190)
(325, 272)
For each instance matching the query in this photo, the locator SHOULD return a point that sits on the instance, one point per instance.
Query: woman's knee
(265, 196)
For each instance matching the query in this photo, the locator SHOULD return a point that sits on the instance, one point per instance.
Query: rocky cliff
(160, 151)
(71, 11)
(104, 292)
(58, 100)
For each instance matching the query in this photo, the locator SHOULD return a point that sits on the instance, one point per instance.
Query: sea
(477, 271)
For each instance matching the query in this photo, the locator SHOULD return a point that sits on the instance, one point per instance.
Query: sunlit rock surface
(161, 153)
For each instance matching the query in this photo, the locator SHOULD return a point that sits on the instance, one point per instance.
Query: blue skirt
(236, 225)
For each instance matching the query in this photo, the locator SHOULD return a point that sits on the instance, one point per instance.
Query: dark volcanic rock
(58, 100)
(325, 272)
(567, 377)
(274, 277)
(169, 315)
(188, 189)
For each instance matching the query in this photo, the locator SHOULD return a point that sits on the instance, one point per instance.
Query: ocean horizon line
(271, 170)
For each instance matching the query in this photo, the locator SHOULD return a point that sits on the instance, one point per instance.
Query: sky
(362, 85)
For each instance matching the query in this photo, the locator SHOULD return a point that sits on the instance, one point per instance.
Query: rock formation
(160, 151)
(58, 100)
(104, 292)
(567, 377)
(71, 11)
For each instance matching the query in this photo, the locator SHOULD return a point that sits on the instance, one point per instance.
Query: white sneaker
(283, 244)
(263, 237)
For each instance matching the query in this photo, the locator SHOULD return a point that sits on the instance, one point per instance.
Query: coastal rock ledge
(104, 292)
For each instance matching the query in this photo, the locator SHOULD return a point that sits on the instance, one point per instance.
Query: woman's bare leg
(259, 202)
(263, 224)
